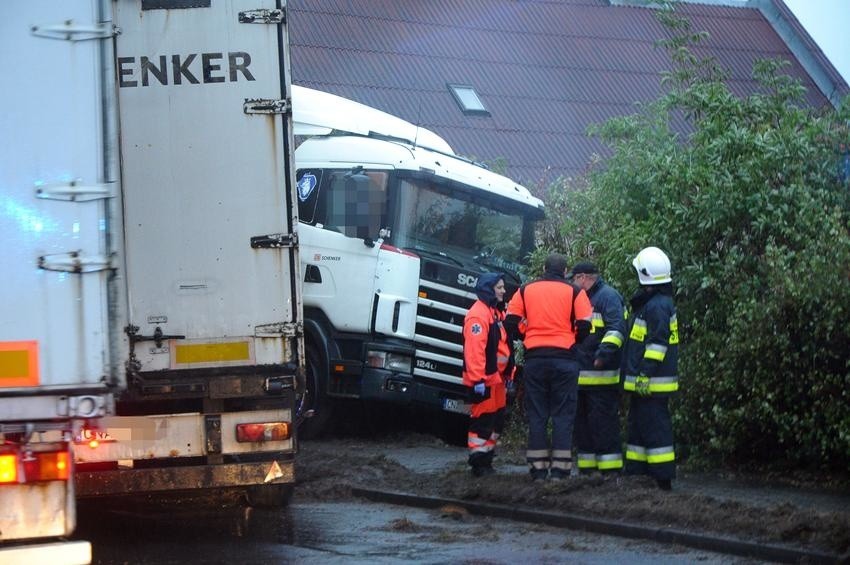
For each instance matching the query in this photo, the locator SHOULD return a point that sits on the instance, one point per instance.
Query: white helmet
(653, 266)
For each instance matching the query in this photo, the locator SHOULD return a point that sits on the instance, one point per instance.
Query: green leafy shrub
(754, 217)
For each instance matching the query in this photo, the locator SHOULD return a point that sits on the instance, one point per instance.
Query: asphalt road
(350, 532)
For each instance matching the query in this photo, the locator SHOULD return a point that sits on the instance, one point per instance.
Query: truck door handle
(158, 337)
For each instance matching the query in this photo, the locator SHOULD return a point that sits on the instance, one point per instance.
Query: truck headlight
(389, 360)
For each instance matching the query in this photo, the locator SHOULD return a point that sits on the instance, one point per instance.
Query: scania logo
(467, 280)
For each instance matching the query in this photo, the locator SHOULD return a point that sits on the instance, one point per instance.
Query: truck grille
(439, 327)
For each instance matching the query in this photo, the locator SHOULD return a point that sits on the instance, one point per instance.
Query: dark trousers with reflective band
(598, 446)
(484, 432)
(649, 446)
(550, 392)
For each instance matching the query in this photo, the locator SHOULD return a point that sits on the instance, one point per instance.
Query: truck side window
(354, 204)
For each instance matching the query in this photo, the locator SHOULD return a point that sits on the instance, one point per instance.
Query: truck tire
(268, 496)
(315, 397)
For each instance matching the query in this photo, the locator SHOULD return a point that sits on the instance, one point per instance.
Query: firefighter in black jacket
(597, 428)
(650, 359)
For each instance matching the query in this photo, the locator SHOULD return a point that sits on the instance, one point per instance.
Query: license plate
(456, 406)
(86, 436)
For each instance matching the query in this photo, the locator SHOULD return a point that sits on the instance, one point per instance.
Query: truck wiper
(439, 254)
(500, 268)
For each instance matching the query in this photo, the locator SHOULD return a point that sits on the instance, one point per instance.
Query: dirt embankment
(742, 508)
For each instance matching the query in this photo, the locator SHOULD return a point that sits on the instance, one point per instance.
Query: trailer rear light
(267, 431)
(37, 466)
(48, 466)
(8, 468)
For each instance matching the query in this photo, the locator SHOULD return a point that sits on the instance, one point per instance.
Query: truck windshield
(461, 225)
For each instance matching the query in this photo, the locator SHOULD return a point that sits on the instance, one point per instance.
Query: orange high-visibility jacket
(546, 305)
(486, 352)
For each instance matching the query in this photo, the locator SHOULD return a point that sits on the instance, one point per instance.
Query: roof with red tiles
(544, 69)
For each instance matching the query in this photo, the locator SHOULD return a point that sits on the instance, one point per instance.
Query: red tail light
(267, 431)
(37, 466)
(48, 466)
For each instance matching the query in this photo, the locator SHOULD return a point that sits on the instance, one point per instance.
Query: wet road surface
(349, 532)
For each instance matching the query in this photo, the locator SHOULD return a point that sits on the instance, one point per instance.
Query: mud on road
(743, 507)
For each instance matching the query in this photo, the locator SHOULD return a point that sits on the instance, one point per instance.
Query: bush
(751, 209)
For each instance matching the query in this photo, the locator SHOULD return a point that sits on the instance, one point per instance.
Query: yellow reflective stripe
(660, 455)
(212, 352)
(656, 384)
(611, 377)
(663, 384)
(586, 461)
(635, 453)
(614, 337)
(655, 352)
(608, 462)
(638, 332)
(674, 330)
(596, 320)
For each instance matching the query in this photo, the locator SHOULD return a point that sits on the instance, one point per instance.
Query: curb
(731, 546)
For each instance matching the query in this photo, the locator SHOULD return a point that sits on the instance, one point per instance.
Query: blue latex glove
(479, 388)
(642, 386)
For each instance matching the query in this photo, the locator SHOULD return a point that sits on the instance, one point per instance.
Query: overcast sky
(828, 22)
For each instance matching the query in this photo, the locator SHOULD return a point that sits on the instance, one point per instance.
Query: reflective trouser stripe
(537, 458)
(655, 455)
(609, 461)
(479, 445)
(562, 459)
(605, 462)
(586, 460)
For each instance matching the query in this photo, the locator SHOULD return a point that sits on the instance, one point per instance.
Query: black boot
(483, 471)
(664, 484)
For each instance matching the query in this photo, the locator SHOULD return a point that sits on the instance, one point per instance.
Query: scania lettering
(413, 225)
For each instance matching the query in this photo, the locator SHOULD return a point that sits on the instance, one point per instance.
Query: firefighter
(487, 366)
(597, 428)
(556, 315)
(650, 360)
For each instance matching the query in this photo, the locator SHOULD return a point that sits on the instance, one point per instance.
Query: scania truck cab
(395, 230)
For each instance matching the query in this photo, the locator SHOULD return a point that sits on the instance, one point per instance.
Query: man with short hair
(556, 316)
(597, 428)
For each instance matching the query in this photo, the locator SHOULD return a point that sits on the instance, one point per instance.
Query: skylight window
(468, 100)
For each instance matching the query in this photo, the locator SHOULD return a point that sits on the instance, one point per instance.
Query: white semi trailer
(151, 339)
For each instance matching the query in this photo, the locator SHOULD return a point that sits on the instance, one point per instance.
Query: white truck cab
(395, 229)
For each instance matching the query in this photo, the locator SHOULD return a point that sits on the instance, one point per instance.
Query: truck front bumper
(400, 388)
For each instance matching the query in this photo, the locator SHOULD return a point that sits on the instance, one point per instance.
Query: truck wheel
(315, 397)
(268, 496)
